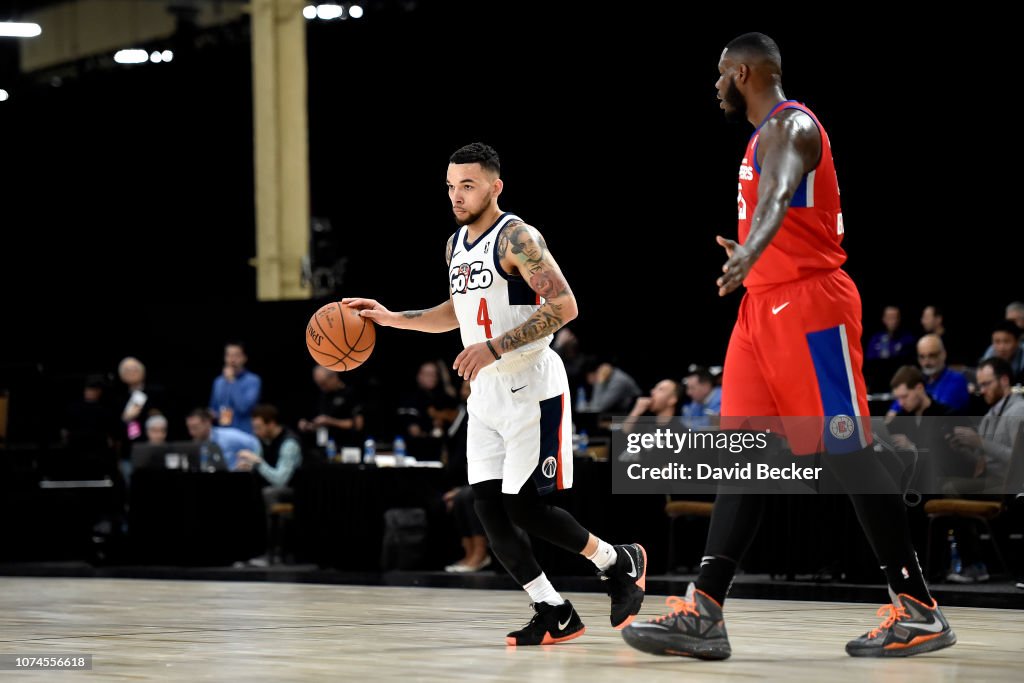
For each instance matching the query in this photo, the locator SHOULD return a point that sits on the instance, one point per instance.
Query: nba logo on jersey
(841, 426)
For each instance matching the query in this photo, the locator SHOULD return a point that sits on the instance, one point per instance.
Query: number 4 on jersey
(482, 318)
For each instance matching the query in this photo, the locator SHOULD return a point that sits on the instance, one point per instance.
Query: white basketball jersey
(488, 301)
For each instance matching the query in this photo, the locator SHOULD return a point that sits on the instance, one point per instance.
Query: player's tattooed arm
(448, 251)
(522, 248)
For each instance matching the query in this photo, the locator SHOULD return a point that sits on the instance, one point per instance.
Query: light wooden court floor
(140, 630)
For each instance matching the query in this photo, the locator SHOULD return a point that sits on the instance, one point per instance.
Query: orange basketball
(338, 338)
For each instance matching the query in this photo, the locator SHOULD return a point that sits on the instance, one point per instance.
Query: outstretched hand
(737, 267)
(372, 309)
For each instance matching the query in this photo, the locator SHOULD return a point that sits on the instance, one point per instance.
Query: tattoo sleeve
(448, 250)
(526, 247)
(413, 314)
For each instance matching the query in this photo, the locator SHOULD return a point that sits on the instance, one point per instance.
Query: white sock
(605, 555)
(541, 590)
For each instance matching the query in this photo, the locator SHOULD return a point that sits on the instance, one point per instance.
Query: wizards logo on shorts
(467, 276)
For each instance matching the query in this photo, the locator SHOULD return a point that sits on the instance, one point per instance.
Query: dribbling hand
(372, 309)
(472, 360)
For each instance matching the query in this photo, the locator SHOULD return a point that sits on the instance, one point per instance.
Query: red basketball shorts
(795, 353)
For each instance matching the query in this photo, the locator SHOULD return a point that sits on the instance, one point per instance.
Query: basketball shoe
(550, 624)
(626, 581)
(694, 628)
(910, 627)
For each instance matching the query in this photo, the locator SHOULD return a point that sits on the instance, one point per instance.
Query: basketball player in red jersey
(507, 298)
(795, 351)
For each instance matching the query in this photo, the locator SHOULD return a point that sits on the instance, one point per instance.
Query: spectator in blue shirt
(942, 384)
(236, 391)
(227, 439)
(891, 342)
(705, 398)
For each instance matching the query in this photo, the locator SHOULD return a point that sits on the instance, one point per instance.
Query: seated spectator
(339, 414)
(1006, 345)
(429, 408)
(236, 391)
(663, 404)
(990, 447)
(1015, 314)
(156, 429)
(705, 398)
(911, 431)
(992, 442)
(281, 456)
(892, 342)
(91, 423)
(613, 390)
(281, 453)
(228, 441)
(942, 384)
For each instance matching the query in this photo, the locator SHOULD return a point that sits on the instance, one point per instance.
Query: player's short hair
(1007, 326)
(909, 375)
(1000, 368)
(477, 153)
(757, 46)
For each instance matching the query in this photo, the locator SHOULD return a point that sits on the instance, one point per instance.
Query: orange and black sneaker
(694, 628)
(550, 624)
(909, 627)
(626, 581)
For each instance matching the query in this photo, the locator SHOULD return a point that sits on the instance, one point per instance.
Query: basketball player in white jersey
(508, 298)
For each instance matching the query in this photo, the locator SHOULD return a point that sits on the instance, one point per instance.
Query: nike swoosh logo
(776, 309)
(934, 626)
(561, 626)
(454, 254)
(520, 388)
(632, 564)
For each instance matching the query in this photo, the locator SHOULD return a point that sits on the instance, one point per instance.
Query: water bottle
(332, 450)
(956, 565)
(581, 400)
(369, 451)
(584, 441)
(204, 458)
(399, 448)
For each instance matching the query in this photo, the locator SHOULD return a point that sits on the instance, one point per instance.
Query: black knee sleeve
(553, 524)
(509, 543)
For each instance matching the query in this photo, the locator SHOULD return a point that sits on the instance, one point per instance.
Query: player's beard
(470, 216)
(737, 110)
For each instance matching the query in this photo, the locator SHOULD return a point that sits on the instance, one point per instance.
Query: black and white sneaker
(694, 628)
(910, 627)
(626, 583)
(550, 624)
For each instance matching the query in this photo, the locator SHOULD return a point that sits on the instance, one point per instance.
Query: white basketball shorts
(520, 424)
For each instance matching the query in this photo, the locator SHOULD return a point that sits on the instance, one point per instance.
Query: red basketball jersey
(808, 243)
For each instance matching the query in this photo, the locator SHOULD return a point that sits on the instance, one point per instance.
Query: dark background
(128, 201)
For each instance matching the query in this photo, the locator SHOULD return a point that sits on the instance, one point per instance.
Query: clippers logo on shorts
(549, 467)
(841, 426)
(469, 276)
